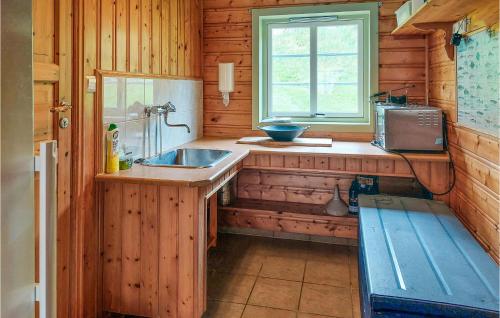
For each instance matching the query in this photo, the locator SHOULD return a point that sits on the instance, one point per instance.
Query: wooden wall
(227, 38)
(150, 36)
(135, 36)
(475, 198)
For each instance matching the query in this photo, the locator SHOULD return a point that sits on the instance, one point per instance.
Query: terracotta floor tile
(327, 273)
(328, 253)
(280, 248)
(326, 300)
(283, 268)
(248, 264)
(291, 248)
(218, 309)
(353, 267)
(356, 305)
(265, 312)
(275, 293)
(265, 274)
(215, 258)
(233, 243)
(261, 246)
(230, 287)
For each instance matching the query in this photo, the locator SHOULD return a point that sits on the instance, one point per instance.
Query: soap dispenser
(336, 206)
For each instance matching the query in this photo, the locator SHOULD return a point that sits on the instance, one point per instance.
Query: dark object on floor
(283, 132)
(361, 185)
(417, 260)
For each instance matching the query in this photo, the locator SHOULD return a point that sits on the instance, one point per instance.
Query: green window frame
(363, 15)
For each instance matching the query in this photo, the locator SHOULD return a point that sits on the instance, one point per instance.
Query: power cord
(454, 177)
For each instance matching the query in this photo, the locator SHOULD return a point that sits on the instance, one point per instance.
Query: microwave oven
(409, 128)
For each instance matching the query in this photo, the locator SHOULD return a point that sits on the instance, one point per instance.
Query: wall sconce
(226, 81)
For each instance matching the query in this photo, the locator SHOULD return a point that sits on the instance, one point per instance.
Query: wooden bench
(418, 260)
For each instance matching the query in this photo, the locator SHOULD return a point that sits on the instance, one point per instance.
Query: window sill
(332, 127)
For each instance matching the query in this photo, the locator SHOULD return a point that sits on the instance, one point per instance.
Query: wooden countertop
(204, 176)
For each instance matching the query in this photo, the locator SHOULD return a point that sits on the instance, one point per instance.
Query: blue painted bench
(418, 260)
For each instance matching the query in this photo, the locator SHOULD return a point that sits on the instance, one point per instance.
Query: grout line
(253, 286)
(302, 286)
(244, 308)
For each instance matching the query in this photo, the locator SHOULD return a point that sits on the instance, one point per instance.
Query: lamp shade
(226, 77)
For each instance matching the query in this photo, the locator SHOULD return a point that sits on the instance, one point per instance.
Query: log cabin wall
(227, 37)
(476, 155)
(150, 37)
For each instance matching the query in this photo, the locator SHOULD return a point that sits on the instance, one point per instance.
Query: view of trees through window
(334, 88)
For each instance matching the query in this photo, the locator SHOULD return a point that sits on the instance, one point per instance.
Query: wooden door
(52, 57)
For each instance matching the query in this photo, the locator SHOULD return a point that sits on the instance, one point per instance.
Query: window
(313, 64)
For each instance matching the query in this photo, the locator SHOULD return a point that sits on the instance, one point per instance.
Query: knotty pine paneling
(153, 256)
(433, 174)
(228, 38)
(149, 37)
(475, 198)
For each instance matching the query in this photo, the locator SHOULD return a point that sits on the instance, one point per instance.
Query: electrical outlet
(91, 84)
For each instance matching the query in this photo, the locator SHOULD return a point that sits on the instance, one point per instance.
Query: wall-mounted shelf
(441, 15)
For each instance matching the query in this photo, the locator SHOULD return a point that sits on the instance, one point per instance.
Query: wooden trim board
(268, 141)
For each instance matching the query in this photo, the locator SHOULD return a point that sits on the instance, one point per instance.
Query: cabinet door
(130, 246)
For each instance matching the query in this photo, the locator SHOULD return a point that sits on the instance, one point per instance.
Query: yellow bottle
(112, 153)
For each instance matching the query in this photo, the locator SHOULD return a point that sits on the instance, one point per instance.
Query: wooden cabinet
(153, 246)
(153, 250)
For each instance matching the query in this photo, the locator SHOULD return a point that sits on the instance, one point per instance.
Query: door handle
(63, 107)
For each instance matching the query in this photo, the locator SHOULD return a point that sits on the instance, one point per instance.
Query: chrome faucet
(170, 108)
(163, 110)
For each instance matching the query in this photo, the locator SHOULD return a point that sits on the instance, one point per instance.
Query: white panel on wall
(124, 102)
(113, 100)
(477, 83)
(135, 100)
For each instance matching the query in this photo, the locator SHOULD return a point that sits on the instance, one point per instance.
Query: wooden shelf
(442, 14)
(288, 217)
(439, 14)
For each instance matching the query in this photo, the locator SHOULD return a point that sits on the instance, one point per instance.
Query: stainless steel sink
(187, 158)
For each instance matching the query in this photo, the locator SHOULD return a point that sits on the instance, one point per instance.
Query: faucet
(162, 110)
(170, 108)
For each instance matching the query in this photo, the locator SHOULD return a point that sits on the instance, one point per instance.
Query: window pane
(338, 39)
(289, 41)
(290, 75)
(338, 98)
(338, 69)
(291, 69)
(290, 98)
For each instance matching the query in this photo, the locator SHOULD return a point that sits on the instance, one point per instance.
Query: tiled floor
(252, 277)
